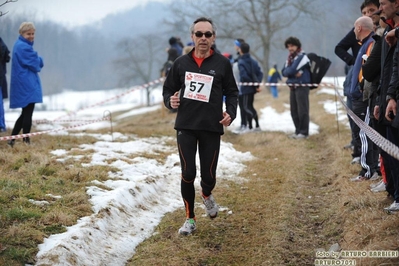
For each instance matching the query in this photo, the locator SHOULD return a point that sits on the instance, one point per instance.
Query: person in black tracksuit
(364, 29)
(195, 86)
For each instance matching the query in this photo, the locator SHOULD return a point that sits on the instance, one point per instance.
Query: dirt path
(297, 199)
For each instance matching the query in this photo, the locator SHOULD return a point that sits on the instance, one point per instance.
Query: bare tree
(139, 62)
(257, 21)
(6, 2)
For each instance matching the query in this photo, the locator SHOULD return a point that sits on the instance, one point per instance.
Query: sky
(145, 189)
(71, 13)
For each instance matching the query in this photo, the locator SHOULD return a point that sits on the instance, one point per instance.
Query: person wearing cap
(196, 85)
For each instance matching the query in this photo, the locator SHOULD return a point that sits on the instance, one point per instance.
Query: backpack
(166, 67)
(318, 68)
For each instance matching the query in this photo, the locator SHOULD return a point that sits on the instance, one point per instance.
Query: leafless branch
(6, 2)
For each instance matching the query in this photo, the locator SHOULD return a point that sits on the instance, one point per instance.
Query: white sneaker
(394, 207)
(242, 130)
(355, 160)
(188, 227)
(376, 184)
(211, 207)
(374, 177)
(300, 136)
(379, 188)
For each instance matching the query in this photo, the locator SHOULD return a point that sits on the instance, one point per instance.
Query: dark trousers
(393, 164)
(299, 106)
(360, 110)
(24, 121)
(250, 112)
(363, 146)
(208, 144)
(242, 111)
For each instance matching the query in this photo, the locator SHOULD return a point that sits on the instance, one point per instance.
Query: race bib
(198, 86)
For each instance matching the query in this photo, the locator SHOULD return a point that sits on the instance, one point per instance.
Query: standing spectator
(249, 72)
(387, 106)
(274, 77)
(4, 58)
(362, 145)
(389, 12)
(172, 55)
(195, 87)
(176, 44)
(371, 73)
(349, 42)
(25, 87)
(297, 71)
(243, 126)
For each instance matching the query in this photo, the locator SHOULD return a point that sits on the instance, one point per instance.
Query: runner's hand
(226, 121)
(175, 100)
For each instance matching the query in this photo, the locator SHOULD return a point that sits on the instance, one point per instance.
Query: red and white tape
(53, 130)
(374, 136)
(286, 84)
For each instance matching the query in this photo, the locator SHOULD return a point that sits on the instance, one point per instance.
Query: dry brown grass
(297, 198)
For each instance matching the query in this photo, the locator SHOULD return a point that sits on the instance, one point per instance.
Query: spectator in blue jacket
(249, 72)
(297, 71)
(25, 86)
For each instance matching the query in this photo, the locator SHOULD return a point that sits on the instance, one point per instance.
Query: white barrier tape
(375, 137)
(45, 121)
(50, 131)
(285, 84)
(151, 83)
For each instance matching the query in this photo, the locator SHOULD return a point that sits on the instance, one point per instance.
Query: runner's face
(203, 43)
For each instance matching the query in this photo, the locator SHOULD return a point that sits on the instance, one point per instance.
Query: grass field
(297, 198)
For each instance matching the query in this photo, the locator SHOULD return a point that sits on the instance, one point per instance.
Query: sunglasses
(199, 34)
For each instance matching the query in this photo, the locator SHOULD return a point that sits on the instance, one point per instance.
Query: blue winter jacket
(300, 63)
(356, 92)
(25, 85)
(249, 72)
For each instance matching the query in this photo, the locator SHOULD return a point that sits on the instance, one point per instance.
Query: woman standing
(25, 86)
